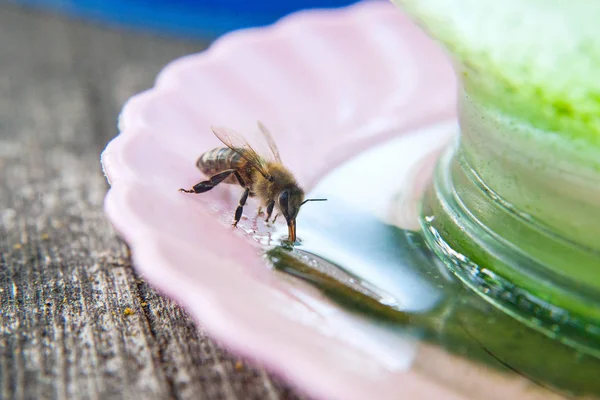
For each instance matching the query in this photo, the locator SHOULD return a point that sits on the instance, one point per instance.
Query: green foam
(536, 60)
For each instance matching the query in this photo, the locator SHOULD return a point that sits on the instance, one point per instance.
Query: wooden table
(76, 321)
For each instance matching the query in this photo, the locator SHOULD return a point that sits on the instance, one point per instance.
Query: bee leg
(259, 212)
(240, 207)
(275, 219)
(213, 181)
(270, 210)
(239, 179)
(238, 211)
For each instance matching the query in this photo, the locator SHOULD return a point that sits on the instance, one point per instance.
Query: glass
(514, 209)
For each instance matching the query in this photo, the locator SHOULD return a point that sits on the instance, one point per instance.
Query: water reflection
(351, 251)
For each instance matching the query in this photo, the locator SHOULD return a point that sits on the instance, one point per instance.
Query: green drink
(514, 209)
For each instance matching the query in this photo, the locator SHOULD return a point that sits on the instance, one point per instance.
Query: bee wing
(270, 141)
(237, 143)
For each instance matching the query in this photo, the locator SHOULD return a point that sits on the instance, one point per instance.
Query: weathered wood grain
(75, 320)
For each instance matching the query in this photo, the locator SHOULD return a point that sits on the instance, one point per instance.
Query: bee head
(289, 202)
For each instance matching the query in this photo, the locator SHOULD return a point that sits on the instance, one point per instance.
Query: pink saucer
(328, 84)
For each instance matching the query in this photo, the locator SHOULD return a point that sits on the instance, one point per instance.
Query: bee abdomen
(217, 160)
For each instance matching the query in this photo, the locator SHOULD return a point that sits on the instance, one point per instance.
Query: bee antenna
(307, 200)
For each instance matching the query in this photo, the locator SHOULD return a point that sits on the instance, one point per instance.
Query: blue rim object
(188, 18)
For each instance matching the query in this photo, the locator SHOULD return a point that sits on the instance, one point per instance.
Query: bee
(264, 177)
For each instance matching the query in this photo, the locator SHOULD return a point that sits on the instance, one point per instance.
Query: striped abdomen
(220, 159)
